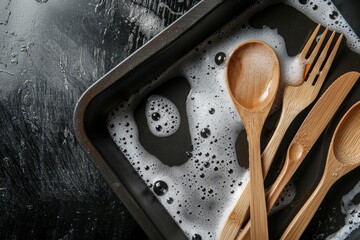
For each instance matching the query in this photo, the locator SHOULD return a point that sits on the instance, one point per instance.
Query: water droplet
(334, 15)
(205, 132)
(155, 116)
(212, 111)
(170, 200)
(160, 188)
(303, 1)
(188, 154)
(158, 128)
(196, 237)
(315, 7)
(220, 58)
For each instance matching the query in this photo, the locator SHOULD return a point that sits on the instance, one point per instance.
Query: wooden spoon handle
(258, 211)
(240, 212)
(274, 192)
(303, 217)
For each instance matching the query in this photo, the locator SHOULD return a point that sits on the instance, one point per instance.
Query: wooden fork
(295, 100)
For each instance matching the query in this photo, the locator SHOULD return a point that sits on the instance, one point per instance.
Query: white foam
(352, 212)
(206, 187)
(285, 198)
(322, 14)
(163, 117)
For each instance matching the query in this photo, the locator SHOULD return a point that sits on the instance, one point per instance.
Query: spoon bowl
(346, 140)
(253, 75)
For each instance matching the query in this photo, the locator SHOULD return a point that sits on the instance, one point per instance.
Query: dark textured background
(50, 52)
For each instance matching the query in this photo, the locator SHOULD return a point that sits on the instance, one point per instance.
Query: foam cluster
(163, 117)
(285, 198)
(351, 209)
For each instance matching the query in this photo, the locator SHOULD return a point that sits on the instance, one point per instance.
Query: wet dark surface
(50, 52)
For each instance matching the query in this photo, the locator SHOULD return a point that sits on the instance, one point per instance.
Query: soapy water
(285, 198)
(163, 118)
(326, 13)
(212, 178)
(352, 212)
(201, 193)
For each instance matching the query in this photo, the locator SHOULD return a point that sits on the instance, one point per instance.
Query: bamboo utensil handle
(296, 99)
(241, 212)
(253, 88)
(343, 157)
(295, 153)
(270, 150)
(303, 217)
(306, 136)
(258, 206)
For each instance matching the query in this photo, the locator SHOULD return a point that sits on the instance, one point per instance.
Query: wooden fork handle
(271, 148)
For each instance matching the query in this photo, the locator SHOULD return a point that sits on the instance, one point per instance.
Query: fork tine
(316, 50)
(315, 71)
(308, 44)
(326, 68)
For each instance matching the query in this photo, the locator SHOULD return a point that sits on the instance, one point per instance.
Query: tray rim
(149, 49)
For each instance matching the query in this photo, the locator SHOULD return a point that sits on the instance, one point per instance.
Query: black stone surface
(50, 52)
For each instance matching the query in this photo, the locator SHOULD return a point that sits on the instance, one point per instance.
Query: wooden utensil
(309, 131)
(343, 156)
(253, 75)
(295, 100)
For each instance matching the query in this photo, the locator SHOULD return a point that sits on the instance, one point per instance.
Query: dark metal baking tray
(90, 118)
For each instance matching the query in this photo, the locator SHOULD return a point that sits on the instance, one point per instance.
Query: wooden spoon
(343, 156)
(253, 75)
